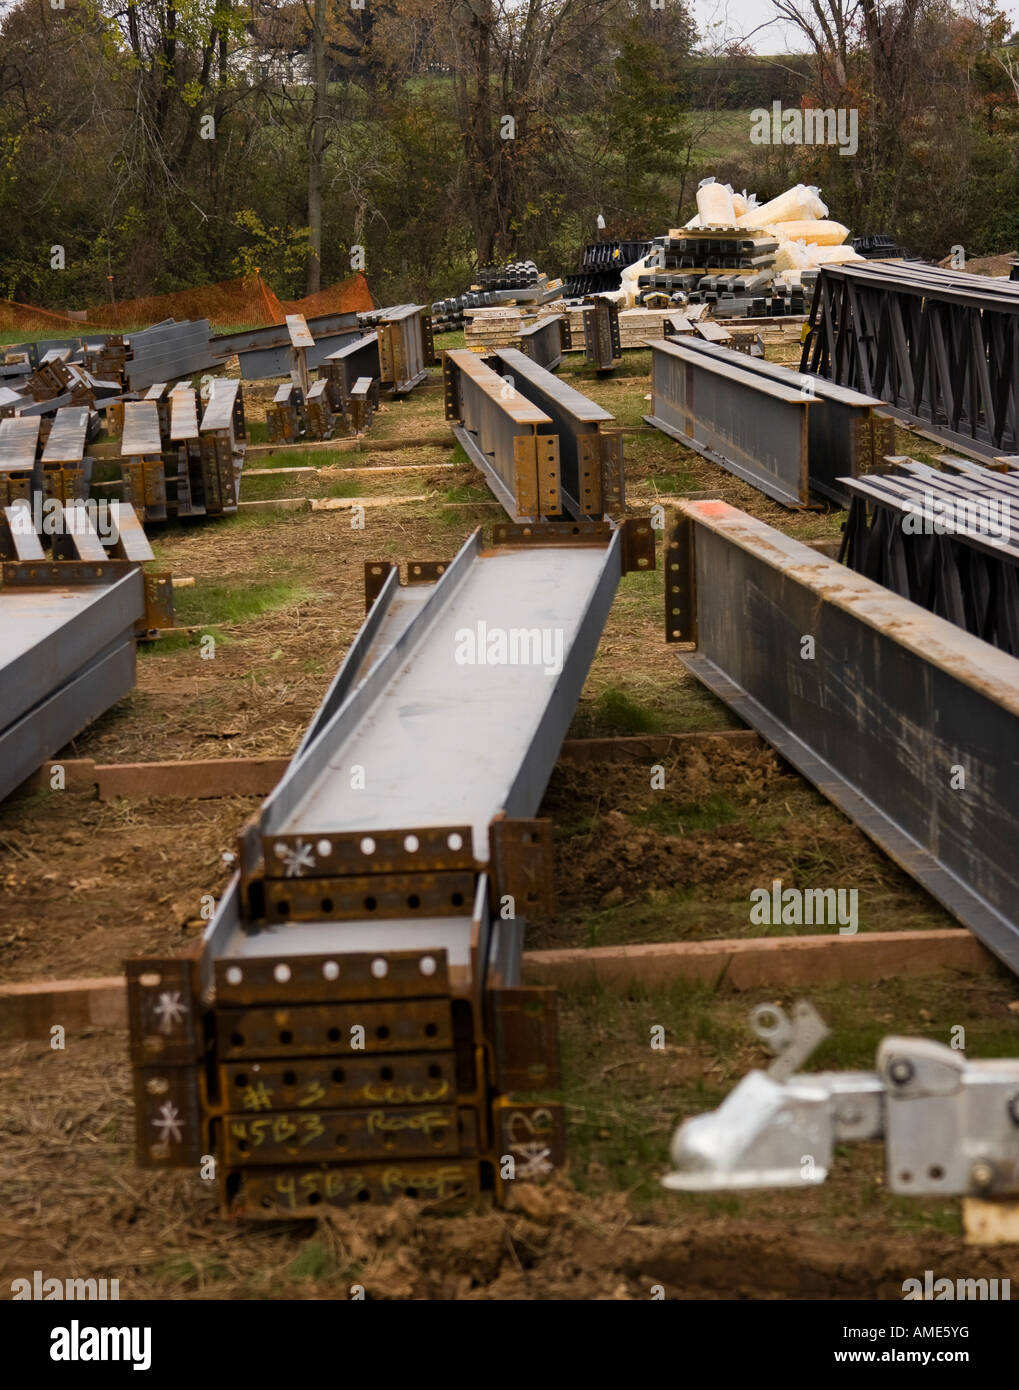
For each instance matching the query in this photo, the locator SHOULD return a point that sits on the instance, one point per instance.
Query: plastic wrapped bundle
(833, 255)
(795, 204)
(791, 255)
(715, 204)
(815, 233)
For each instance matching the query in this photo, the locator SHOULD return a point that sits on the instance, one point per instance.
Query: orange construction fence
(246, 302)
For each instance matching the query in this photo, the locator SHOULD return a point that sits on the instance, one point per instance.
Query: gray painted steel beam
(590, 452)
(844, 439)
(752, 427)
(893, 701)
(68, 655)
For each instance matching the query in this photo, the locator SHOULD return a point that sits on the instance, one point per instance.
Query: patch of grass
(617, 713)
(446, 342)
(172, 642)
(299, 458)
(345, 487)
(310, 1263)
(466, 492)
(212, 605)
(692, 815)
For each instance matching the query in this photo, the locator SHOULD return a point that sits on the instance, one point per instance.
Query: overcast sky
(752, 20)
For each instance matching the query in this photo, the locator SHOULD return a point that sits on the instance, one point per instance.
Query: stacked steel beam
(70, 618)
(353, 1027)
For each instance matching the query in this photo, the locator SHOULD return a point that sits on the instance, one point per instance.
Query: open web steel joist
(940, 346)
(353, 1026)
(880, 711)
(543, 447)
(845, 437)
(943, 539)
(69, 621)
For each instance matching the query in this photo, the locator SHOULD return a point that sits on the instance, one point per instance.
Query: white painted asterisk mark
(170, 1010)
(537, 1162)
(296, 858)
(168, 1123)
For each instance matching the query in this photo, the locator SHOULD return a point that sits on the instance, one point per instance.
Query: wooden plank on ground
(763, 962)
(31, 1009)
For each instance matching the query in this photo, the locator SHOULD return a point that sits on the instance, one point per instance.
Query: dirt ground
(84, 884)
(76, 1206)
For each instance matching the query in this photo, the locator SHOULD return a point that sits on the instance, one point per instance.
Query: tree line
(168, 143)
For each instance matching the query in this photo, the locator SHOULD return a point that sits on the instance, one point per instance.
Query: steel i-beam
(353, 1026)
(882, 710)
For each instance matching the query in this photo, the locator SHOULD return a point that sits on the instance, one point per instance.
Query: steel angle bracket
(376, 572)
(281, 1193)
(158, 601)
(428, 341)
(450, 387)
(638, 550)
(591, 469)
(355, 897)
(27, 574)
(426, 571)
(680, 581)
(536, 469)
(323, 979)
(533, 1136)
(523, 1025)
(552, 533)
(613, 479)
(873, 441)
(430, 849)
(164, 1017)
(167, 1042)
(170, 1119)
(523, 866)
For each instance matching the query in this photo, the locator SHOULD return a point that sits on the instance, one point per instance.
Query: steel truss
(942, 539)
(941, 347)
